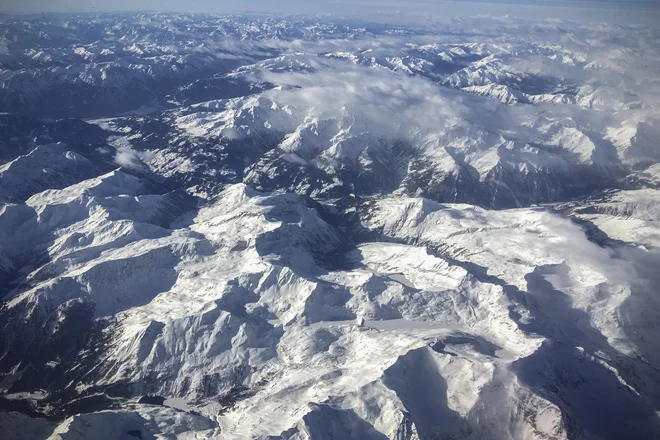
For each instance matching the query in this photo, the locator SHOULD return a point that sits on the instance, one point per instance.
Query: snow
(150, 423)
(388, 233)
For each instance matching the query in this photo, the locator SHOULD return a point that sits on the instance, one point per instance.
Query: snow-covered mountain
(310, 228)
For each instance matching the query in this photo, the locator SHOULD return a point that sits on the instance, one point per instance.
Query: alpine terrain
(255, 227)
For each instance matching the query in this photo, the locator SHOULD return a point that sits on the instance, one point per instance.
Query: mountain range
(244, 227)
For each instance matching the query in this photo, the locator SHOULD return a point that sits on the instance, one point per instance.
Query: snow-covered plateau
(235, 227)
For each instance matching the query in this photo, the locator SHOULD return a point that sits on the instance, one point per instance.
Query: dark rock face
(135, 433)
(152, 400)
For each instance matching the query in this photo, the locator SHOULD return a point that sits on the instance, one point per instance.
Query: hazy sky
(597, 9)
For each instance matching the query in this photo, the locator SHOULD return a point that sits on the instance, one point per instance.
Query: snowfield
(255, 228)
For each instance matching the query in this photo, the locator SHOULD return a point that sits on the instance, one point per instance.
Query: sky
(601, 10)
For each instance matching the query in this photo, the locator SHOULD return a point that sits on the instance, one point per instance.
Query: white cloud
(128, 158)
